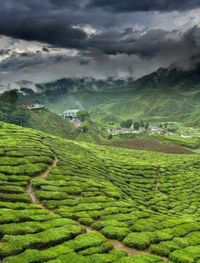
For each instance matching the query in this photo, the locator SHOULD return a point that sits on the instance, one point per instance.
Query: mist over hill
(170, 93)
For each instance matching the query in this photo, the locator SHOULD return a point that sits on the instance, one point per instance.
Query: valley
(168, 94)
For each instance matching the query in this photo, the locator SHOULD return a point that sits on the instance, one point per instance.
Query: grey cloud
(53, 22)
(4, 52)
(145, 5)
(18, 61)
(39, 21)
(115, 48)
(146, 44)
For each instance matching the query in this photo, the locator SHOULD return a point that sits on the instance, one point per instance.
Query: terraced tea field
(64, 201)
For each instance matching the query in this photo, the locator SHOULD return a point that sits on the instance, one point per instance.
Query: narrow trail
(158, 183)
(120, 245)
(44, 175)
(115, 243)
(130, 251)
(158, 179)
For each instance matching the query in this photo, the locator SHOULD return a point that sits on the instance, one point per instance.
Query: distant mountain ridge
(163, 76)
(168, 93)
(170, 77)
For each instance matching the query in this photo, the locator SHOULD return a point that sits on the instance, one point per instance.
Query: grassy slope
(46, 121)
(154, 104)
(84, 99)
(49, 122)
(144, 199)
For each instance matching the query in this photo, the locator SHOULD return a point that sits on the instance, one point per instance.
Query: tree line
(135, 124)
(12, 110)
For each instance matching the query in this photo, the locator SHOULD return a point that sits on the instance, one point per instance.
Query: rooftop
(72, 111)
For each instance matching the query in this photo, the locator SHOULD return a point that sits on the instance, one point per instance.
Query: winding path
(158, 183)
(158, 179)
(116, 244)
(120, 245)
(44, 175)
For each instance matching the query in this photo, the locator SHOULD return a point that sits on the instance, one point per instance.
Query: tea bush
(148, 201)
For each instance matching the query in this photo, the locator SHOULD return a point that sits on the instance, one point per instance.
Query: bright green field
(147, 201)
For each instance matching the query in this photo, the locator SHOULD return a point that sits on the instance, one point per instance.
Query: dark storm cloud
(107, 36)
(145, 5)
(4, 52)
(48, 31)
(129, 42)
(146, 44)
(42, 21)
(22, 60)
(83, 61)
(57, 22)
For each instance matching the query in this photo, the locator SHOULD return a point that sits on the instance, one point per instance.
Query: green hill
(167, 94)
(49, 122)
(68, 201)
(13, 109)
(46, 121)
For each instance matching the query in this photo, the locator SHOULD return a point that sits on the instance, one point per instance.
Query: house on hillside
(35, 106)
(122, 131)
(155, 129)
(185, 136)
(70, 114)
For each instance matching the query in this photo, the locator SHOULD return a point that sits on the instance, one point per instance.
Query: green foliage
(115, 232)
(85, 241)
(10, 97)
(188, 255)
(110, 136)
(146, 125)
(83, 115)
(86, 125)
(126, 124)
(16, 114)
(136, 125)
(142, 259)
(139, 240)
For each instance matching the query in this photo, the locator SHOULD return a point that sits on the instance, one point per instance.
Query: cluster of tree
(169, 126)
(11, 110)
(84, 116)
(135, 124)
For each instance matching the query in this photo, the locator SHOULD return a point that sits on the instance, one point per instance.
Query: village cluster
(152, 130)
(72, 116)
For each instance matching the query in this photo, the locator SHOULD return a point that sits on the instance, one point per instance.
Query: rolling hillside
(64, 201)
(46, 121)
(167, 94)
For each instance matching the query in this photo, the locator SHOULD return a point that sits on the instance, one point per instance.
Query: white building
(154, 129)
(35, 106)
(122, 131)
(185, 136)
(70, 114)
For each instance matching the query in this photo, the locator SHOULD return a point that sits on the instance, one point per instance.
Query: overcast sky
(43, 40)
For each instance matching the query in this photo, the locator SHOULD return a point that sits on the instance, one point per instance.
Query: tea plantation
(65, 201)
